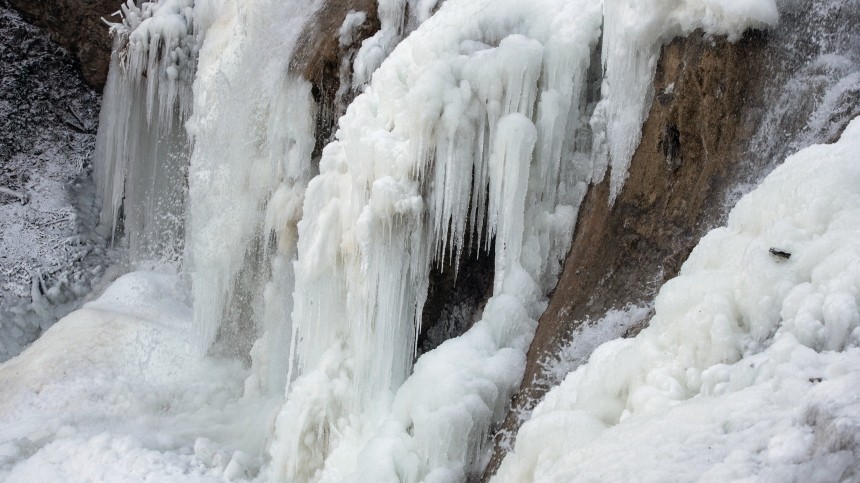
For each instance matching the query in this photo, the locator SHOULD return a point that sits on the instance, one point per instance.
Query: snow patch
(748, 360)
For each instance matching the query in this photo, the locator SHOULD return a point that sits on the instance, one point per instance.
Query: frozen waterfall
(272, 314)
(476, 130)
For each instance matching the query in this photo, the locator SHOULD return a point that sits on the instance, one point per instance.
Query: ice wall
(253, 136)
(468, 130)
(461, 134)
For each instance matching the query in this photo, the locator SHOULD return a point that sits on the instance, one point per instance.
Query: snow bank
(749, 365)
(115, 392)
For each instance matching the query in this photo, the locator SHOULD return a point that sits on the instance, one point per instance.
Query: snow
(115, 392)
(746, 367)
(49, 256)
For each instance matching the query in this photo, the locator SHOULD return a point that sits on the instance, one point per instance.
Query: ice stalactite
(142, 149)
(462, 131)
(398, 19)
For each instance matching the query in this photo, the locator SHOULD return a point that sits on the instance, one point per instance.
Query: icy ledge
(751, 363)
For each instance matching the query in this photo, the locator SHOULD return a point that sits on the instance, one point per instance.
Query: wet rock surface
(324, 57)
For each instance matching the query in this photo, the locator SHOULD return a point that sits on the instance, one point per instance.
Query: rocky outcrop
(684, 165)
(724, 114)
(77, 25)
(325, 61)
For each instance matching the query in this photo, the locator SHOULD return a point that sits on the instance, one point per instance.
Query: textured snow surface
(750, 365)
(115, 392)
(49, 256)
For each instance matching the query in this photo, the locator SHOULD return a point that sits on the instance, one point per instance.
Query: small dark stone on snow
(780, 254)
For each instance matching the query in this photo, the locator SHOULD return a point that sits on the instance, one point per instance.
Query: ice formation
(247, 174)
(464, 132)
(484, 127)
(142, 148)
(765, 310)
(461, 133)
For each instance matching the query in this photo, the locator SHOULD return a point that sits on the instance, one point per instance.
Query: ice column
(253, 137)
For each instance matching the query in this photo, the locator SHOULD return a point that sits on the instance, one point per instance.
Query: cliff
(77, 25)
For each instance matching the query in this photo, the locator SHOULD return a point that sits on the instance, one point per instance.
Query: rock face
(49, 257)
(325, 61)
(723, 115)
(76, 25)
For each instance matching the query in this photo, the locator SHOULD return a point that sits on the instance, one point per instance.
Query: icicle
(248, 171)
(445, 135)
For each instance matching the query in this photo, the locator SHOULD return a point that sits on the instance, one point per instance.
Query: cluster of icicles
(484, 126)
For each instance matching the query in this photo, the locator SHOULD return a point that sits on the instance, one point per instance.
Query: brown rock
(682, 168)
(77, 25)
(318, 57)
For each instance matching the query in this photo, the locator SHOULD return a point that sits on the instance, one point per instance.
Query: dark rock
(77, 25)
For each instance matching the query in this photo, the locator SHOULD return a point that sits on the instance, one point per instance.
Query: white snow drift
(749, 366)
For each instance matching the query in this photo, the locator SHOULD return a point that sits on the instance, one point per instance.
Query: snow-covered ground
(114, 392)
(48, 117)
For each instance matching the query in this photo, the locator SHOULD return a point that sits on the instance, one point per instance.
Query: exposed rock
(49, 257)
(76, 25)
(456, 298)
(724, 114)
(322, 59)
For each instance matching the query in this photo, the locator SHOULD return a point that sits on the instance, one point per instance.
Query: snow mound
(750, 364)
(115, 392)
